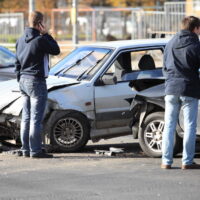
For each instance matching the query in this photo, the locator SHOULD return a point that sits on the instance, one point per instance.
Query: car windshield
(81, 63)
(7, 59)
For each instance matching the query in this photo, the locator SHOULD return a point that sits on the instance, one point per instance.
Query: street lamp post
(31, 5)
(74, 16)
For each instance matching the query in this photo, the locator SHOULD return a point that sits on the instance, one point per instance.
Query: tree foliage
(46, 4)
(14, 4)
(24, 4)
(49, 4)
(122, 3)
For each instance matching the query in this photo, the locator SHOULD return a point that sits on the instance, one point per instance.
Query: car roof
(131, 43)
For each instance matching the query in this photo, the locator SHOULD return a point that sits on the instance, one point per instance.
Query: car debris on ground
(112, 151)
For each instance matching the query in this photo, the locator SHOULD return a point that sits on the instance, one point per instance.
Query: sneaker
(26, 155)
(20, 153)
(41, 155)
(192, 166)
(165, 166)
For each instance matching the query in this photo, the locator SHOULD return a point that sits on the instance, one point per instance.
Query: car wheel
(150, 136)
(69, 131)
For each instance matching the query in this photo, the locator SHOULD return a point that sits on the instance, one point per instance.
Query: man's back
(31, 51)
(181, 65)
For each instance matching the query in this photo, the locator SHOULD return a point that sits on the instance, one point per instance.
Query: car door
(111, 99)
(112, 110)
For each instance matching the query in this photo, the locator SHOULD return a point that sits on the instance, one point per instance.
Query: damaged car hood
(10, 95)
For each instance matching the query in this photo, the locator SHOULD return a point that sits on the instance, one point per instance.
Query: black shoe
(41, 155)
(20, 153)
(26, 155)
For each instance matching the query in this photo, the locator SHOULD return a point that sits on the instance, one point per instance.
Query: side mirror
(106, 80)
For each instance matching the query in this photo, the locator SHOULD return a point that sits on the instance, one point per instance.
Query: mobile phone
(41, 24)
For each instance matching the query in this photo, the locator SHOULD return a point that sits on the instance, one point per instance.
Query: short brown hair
(190, 23)
(35, 18)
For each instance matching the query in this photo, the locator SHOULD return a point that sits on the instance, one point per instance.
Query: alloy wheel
(153, 135)
(68, 132)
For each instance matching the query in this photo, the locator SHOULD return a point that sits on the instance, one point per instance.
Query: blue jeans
(34, 97)
(173, 104)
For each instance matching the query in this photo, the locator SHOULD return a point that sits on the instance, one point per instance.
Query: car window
(137, 63)
(153, 58)
(81, 63)
(6, 58)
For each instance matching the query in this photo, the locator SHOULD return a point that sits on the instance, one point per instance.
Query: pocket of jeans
(39, 89)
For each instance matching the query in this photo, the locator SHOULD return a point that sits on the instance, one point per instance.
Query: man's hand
(42, 29)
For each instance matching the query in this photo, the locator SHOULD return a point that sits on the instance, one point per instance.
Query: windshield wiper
(74, 64)
(7, 66)
(87, 71)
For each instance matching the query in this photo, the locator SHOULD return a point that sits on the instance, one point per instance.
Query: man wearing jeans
(182, 89)
(32, 68)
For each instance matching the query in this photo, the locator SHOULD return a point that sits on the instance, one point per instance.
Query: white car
(89, 93)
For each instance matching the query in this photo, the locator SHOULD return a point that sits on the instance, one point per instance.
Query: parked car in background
(88, 93)
(7, 61)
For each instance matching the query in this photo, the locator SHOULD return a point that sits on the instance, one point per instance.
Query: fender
(145, 105)
(140, 107)
(150, 104)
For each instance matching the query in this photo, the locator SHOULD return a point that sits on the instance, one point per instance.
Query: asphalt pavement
(88, 176)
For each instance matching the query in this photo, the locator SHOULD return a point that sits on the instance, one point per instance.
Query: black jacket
(181, 65)
(31, 50)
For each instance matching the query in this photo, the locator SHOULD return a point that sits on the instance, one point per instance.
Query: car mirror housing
(106, 80)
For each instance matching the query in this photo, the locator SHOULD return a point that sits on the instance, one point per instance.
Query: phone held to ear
(41, 28)
(41, 24)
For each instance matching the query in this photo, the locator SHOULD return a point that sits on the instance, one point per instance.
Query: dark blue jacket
(181, 65)
(31, 49)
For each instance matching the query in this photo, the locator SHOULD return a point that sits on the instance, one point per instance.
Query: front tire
(150, 136)
(69, 132)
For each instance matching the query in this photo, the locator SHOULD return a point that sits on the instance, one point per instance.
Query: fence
(100, 24)
(112, 24)
(183, 7)
(156, 24)
(12, 26)
(94, 24)
(176, 7)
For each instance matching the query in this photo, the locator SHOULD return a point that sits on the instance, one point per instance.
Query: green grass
(9, 38)
(69, 37)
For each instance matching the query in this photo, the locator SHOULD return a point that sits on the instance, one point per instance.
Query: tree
(46, 4)
(24, 4)
(14, 4)
(134, 3)
(122, 3)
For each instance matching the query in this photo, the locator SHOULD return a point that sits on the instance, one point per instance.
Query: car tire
(69, 132)
(150, 136)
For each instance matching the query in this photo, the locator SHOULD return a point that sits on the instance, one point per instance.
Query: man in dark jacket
(182, 89)
(32, 68)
